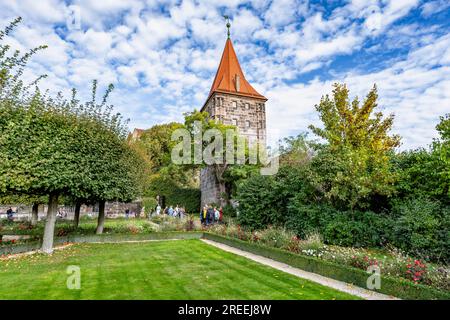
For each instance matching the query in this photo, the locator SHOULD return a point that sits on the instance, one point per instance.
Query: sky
(162, 55)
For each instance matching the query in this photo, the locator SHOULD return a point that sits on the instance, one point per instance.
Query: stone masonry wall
(249, 115)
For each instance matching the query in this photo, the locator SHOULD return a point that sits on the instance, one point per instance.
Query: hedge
(391, 286)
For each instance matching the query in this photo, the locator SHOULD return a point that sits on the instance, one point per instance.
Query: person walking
(220, 214)
(216, 214)
(9, 214)
(201, 214)
(127, 213)
(171, 211)
(209, 215)
(182, 212)
(204, 213)
(158, 210)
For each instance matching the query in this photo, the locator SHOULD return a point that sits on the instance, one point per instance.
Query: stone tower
(232, 100)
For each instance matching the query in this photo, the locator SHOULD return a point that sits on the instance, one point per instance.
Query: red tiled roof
(230, 78)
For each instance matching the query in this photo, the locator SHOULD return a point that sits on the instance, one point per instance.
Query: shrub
(189, 198)
(421, 228)
(263, 200)
(229, 211)
(313, 241)
(275, 237)
(306, 218)
(257, 202)
(149, 205)
(416, 271)
(365, 229)
(189, 224)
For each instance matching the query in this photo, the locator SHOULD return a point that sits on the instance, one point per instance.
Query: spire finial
(227, 18)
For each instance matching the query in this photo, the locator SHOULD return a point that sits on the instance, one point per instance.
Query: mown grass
(183, 269)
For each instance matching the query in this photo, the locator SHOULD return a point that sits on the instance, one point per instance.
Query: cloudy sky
(162, 55)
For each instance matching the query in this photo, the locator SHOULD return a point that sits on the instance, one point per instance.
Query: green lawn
(183, 269)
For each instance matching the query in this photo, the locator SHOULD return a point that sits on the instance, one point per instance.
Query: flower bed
(392, 262)
(394, 286)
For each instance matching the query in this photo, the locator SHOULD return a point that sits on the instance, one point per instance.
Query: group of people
(177, 212)
(210, 215)
(129, 213)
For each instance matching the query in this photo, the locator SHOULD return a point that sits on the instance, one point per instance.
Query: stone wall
(248, 114)
(112, 209)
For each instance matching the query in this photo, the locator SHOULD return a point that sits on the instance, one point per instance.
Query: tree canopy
(55, 146)
(354, 165)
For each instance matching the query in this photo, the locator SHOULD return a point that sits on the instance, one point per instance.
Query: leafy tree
(420, 174)
(157, 144)
(441, 147)
(53, 146)
(296, 151)
(354, 166)
(426, 172)
(175, 183)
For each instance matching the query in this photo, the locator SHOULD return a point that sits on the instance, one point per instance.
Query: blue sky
(162, 55)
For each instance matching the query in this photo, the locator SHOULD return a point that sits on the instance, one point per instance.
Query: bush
(149, 205)
(422, 228)
(275, 237)
(258, 204)
(366, 229)
(263, 200)
(345, 228)
(229, 211)
(305, 218)
(189, 198)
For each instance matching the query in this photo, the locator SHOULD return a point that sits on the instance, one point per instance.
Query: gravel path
(335, 284)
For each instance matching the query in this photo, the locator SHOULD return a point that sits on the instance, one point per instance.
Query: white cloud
(416, 90)
(162, 60)
(432, 7)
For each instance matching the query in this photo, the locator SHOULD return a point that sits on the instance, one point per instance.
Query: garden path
(332, 283)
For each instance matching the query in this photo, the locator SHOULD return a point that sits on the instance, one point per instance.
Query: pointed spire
(230, 78)
(227, 18)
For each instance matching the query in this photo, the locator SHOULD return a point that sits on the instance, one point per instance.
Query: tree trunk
(34, 214)
(223, 193)
(219, 171)
(47, 243)
(101, 217)
(76, 217)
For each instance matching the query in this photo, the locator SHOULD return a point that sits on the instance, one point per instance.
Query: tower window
(247, 123)
(247, 106)
(234, 122)
(234, 104)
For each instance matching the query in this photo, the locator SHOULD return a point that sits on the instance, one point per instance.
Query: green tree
(354, 165)
(441, 147)
(53, 146)
(177, 184)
